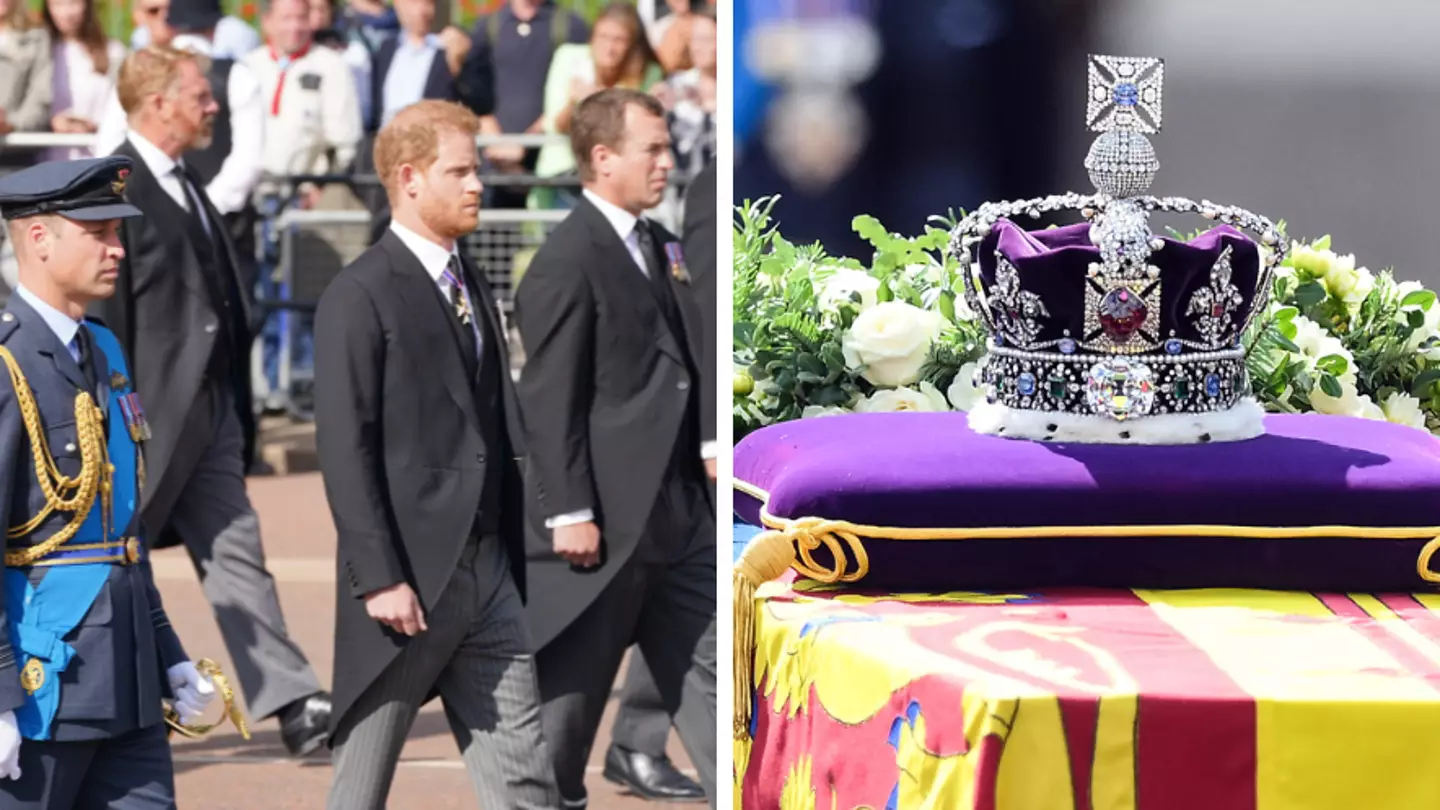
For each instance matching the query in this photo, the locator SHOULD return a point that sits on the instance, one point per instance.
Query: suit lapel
(428, 317)
(221, 240)
(617, 264)
(159, 207)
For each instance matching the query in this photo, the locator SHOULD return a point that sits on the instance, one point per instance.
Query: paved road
(223, 772)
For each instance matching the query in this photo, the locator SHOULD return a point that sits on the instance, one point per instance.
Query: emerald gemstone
(1182, 389)
(1057, 387)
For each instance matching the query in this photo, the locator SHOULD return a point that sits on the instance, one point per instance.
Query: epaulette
(8, 324)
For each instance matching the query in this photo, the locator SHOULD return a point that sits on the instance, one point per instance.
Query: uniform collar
(61, 324)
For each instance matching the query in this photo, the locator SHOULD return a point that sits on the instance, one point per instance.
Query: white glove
(9, 746)
(193, 691)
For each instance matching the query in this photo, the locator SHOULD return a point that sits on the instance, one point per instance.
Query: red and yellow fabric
(1086, 699)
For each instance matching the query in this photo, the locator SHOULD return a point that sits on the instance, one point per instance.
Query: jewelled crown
(1101, 331)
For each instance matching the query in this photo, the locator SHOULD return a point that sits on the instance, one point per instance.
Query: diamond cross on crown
(1126, 92)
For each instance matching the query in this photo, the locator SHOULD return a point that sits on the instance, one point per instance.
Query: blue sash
(40, 617)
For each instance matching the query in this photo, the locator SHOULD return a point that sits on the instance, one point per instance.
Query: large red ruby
(1121, 314)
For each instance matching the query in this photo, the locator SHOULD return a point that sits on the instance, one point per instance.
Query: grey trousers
(213, 516)
(131, 772)
(478, 653)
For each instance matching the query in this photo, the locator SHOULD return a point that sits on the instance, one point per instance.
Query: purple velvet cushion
(929, 470)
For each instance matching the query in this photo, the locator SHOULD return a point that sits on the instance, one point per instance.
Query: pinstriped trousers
(478, 654)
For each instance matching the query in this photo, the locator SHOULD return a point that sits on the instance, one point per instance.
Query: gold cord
(62, 493)
(232, 712)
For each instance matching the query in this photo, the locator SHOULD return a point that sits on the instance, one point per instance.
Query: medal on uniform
(118, 381)
(134, 417)
(677, 262)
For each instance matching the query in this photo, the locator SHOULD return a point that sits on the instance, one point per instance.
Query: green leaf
(1415, 317)
(1286, 315)
(810, 378)
(834, 357)
(1331, 386)
(814, 365)
(1309, 294)
(947, 305)
(830, 395)
(1323, 243)
(1419, 298)
(1284, 341)
(1332, 364)
(883, 294)
(1424, 383)
(870, 229)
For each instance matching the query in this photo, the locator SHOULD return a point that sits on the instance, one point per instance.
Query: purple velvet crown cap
(1054, 263)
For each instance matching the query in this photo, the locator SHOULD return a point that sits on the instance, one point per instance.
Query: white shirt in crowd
(624, 224)
(80, 91)
(311, 107)
(233, 185)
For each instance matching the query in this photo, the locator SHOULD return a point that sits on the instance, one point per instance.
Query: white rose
(814, 411)
(1403, 409)
(891, 342)
(1350, 402)
(889, 400)
(839, 287)
(1340, 276)
(1430, 328)
(1315, 343)
(963, 393)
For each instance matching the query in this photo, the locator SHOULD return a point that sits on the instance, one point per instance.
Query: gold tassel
(766, 558)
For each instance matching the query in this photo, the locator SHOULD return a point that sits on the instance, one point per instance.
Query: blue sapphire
(1212, 385)
(1126, 94)
(1173, 346)
(999, 339)
(1067, 346)
(1026, 384)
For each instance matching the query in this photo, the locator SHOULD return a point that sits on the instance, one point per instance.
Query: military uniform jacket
(123, 645)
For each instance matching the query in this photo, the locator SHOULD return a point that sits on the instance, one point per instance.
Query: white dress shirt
(436, 260)
(163, 167)
(624, 224)
(231, 188)
(65, 327)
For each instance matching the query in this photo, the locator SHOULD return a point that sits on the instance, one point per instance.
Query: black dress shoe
(650, 778)
(305, 724)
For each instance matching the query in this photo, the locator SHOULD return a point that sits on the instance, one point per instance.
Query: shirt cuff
(569, 519)
(709, 450)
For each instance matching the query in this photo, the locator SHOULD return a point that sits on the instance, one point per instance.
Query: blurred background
(1319, 112)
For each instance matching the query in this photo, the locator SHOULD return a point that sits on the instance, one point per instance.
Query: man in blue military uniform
(87, 654)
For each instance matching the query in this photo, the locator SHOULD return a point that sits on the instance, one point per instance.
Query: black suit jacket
(700, 245)
(439, 84)
(401, 447)
(606, 388)
(166, 313)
